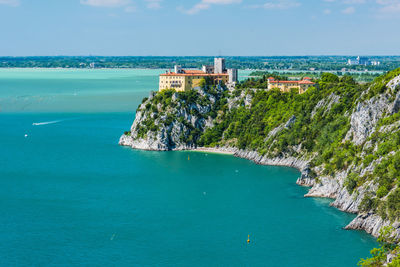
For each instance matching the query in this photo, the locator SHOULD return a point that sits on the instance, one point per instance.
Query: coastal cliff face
(343, 137)
(173, 121)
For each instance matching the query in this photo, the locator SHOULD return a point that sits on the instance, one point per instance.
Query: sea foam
(45, 123)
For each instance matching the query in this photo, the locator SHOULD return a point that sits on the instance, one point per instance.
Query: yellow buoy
(188, 157)
(248, 239)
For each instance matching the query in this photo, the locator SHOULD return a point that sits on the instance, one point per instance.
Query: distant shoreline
(254, 70)
(61, 68)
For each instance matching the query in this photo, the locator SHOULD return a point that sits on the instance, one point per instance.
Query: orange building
(182, 80)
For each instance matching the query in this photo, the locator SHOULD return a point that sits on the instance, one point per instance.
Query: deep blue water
(69, 195)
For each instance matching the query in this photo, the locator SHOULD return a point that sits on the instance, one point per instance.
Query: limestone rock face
(365, 117)
(294, 162)
(174, 134)
(286, 125)
(372, 224)
(369, 112)
(243, 98)
(325, 104)
(394, 84)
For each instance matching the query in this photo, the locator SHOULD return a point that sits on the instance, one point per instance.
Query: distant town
(278, 63)
(364, 61)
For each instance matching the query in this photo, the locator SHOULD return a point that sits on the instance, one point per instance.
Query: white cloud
(352, 2)
(130, 9)
(10, 2)
(327, 11)
(127, 5)
(388, 8)
(349, 10)
(153, 4)
(106, 3)
(206, 4)
(222, 2)
(281, 4)
(278, 4)
(387, 2)
(348, 2)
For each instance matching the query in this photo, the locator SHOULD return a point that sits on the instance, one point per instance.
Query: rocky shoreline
(324, 187)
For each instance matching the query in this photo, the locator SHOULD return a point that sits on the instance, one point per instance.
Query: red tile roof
(306, 82)
(194, 72)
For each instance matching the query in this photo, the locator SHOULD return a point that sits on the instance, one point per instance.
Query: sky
(199, 27)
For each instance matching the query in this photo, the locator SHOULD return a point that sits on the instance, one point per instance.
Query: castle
(286, 86)
(183, 80)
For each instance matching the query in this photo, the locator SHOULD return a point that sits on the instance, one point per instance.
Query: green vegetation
(260, 82)
(297, 75)
(379, 85)
(321, 131)
(386, 245)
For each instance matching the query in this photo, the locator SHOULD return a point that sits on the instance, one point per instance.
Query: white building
(219, 65)
(359, 61)
(207, 68)
(233, 75)
(178, 69)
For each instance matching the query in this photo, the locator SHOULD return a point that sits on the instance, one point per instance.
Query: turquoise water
(71, 196)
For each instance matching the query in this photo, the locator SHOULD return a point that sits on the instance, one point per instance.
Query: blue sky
(199, 27)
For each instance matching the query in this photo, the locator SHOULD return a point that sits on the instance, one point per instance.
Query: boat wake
(45, 123)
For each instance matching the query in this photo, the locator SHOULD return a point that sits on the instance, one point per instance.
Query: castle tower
(233, 75)
(219, 65)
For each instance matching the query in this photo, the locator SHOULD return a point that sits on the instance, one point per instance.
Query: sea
(71, 196)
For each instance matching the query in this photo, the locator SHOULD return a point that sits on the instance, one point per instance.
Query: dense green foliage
(386, 245)
(260, 82)
(323, 132)
(357, 76)
(379, 85)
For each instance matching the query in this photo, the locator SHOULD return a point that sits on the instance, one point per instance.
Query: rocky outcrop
(365, 117)
(244, 98)
(281, 127)
(171, 128)
(325, 104)
(326, 187)
(301, 164)
(347, 202)
(372, 224)
(293, 162)
(394, 84)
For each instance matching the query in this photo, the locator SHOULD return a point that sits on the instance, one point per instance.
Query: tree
(329, 78)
